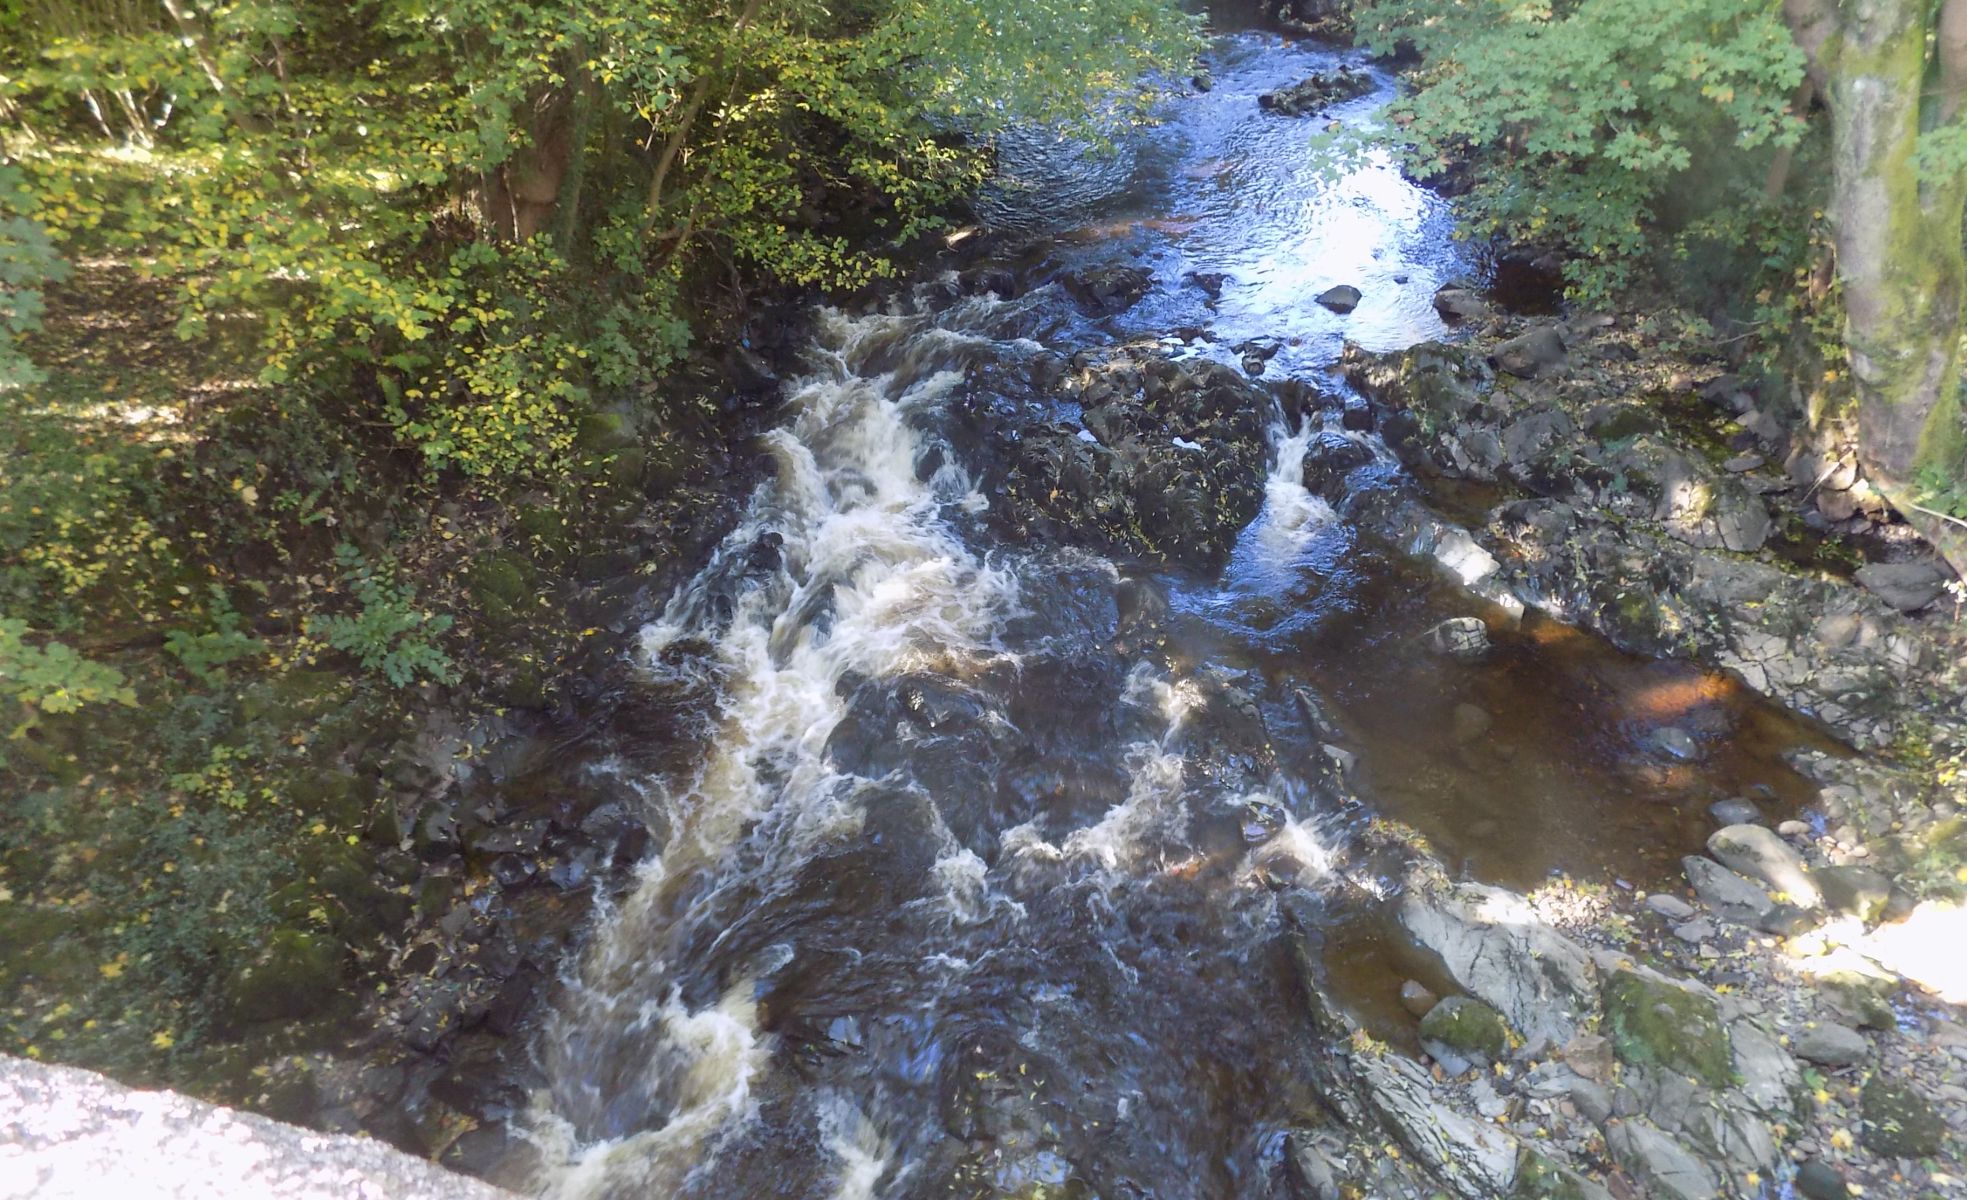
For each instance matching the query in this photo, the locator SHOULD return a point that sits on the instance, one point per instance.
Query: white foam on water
(853, 1139)
(870, 582)
(1291, 514)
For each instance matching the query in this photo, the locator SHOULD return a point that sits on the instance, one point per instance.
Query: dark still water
(979, 890)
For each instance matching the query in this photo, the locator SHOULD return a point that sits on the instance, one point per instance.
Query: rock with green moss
(1898, 1121)
(297, 975)
(1653, 1020)
(1538, 1178)
(1468, 1027)
(1863, 999)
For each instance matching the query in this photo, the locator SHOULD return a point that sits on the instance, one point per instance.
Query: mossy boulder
(1656, 1022)
(1468, 1027)
(297, 975)
(1898, 1121)
(503, 585)
(1864, 1000)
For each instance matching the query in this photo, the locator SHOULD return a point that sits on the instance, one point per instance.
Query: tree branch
(698, 95)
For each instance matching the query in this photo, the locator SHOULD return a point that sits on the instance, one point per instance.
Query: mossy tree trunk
(1900, 250)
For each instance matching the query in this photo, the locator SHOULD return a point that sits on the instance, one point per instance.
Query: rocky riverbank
(1789, 1021)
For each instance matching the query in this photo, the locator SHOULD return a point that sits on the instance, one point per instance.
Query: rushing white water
(871, 582)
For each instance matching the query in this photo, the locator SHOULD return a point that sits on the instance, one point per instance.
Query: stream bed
(978, 890)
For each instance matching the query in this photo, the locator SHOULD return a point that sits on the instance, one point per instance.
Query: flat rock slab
(67, 1134)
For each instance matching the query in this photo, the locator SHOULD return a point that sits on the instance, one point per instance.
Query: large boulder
(1167, 467)
(1907, 586)
(1898, 1121)
(1760, 853)
(1655, 1021)
(1734, 898)
(1102, 290)
(1496, 947)
(1531, 354)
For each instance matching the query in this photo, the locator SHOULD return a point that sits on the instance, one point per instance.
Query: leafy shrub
(1595, 112)
(52, 677)
(389, 634)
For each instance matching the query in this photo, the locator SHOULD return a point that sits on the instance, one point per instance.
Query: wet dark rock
(1908, 586)
(1357, 415)
(1211, 283)
(1319, 92)
(1465, 638)
(1104, 290)
(1818, 1180)
(1342, 299)
(1169, 467)
(1899, 1122)
(1461, 304)
(1530, 354)
(513, 870)
(1202, 81)
(997, 281)
(1328, 459)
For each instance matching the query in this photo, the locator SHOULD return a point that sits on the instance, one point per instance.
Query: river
(978, 891)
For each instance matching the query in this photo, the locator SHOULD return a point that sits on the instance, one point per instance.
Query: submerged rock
(1416, 998)
(1458, 637)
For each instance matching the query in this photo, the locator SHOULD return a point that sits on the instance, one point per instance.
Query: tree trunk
(1900, 252)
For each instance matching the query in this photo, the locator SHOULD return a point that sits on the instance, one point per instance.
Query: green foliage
(1595, 112)
(206, 654)
(52, 677)
(388, 634)
(28, 263)
(356, 190)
